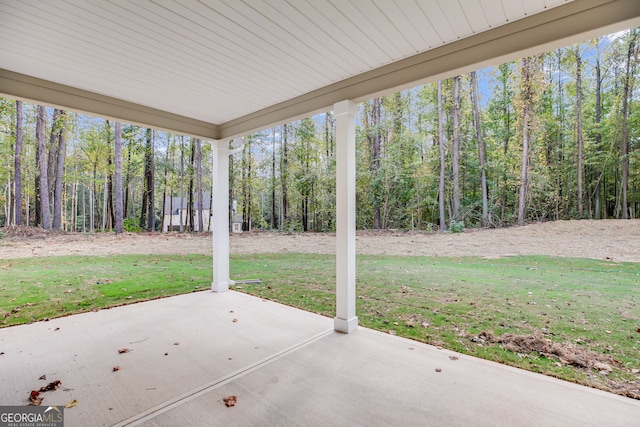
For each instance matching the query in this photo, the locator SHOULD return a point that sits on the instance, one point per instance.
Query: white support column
(220, 217)
(345, 320)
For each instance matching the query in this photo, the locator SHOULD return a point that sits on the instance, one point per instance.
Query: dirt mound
(19, 232)
(566, 354)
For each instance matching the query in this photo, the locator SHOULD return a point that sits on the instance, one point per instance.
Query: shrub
(456, 226)
(131, 225)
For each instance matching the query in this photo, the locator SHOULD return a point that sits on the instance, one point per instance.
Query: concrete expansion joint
(199, 391)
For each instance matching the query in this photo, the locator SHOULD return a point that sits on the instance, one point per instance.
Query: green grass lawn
(585, 305)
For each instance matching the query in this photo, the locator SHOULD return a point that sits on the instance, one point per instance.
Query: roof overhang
(559, 26)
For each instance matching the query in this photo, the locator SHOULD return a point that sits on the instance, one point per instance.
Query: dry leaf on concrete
(230, 401)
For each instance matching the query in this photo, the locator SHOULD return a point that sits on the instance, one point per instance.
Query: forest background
(554, 136)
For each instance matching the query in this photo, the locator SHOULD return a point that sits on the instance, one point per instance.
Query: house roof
(223, 68)
(172, 205)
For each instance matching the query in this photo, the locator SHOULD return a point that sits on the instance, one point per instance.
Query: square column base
(220, 287)
(345, 326)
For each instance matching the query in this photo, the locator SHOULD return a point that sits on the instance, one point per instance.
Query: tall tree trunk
(199, 184)
(110, 217)
(376, 140)
(482, 160)
(506, 118)
(274, 222)
(628, 81)
(53, 150)
(456, 149)
(118, 178)
(126, 184)
(527, 99)
(45, 212)
(17, 163)
(61, 154)
(441, 143)
(284, 177)
(181, 179)
(579, 126)
(190, 200)
(163, 225)
(147, 214)
(598, 137)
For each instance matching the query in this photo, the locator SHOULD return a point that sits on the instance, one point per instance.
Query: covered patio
(286, 367)
(219, 71)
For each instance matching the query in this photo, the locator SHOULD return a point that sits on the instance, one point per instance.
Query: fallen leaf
(235, 320)
(439, 347)
(453, 357)
(116, 368)
(176, 343)
(438, 370)
(53, 385)
(124, 350)
(391, 332)
(230, 401)
(36, 402)
(43, 377)
(71, 404)
(56, 329)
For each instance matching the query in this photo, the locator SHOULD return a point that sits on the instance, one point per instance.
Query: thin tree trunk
(273, 181)
(376, 142)
(456, 149)
(17, 177)
(127, 183)
(284, 176)
(118, 178)
(147, 214)
(579, 126)
(598, 136)
(61, 154)
(625, 126)
(45, 212)
(53, 150)
(182, 221)
(164, 190)
(526, 71)
(482, 160)
(190, 202)
(441, 143)
(199, 184)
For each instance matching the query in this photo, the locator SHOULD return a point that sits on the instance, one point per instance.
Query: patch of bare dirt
(566, 354)
(615, 240)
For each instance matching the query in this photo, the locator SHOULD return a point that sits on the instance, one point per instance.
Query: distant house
(176, 215)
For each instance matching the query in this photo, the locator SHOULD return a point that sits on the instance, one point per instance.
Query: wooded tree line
(553, 136)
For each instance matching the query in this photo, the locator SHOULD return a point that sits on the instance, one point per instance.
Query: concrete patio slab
(286, 366)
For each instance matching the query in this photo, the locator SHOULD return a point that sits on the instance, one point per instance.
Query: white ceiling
(220, 61)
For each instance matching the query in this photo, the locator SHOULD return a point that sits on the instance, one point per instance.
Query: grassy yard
(574, 319)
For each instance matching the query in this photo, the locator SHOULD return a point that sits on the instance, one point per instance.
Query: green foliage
(132, 225)
(399, 187)
(456, 226)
